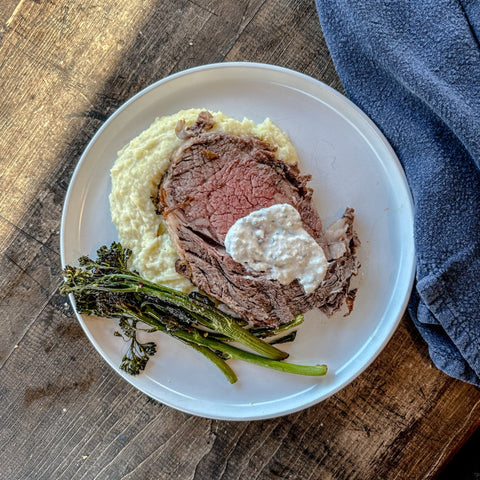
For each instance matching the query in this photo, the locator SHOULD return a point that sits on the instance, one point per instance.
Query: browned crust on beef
(203, 123)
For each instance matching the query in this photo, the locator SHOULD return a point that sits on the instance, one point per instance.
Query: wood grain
(65, 67)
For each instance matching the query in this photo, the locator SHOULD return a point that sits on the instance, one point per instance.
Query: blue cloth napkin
(414, 67)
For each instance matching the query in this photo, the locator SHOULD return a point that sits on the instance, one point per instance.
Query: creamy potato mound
(135, 178)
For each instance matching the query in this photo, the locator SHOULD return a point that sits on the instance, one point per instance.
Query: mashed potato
(135, 178)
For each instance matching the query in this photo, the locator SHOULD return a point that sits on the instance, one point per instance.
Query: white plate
(352, 165)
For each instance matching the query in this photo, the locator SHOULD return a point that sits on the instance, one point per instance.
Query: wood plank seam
(239, 34)
(24, 271)
(32, 322)
(23, 232)
(203, 8)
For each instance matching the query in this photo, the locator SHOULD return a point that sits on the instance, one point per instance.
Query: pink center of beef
(231, 193)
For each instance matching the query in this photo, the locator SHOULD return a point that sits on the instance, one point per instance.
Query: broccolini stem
(220, 363)
(239, 354)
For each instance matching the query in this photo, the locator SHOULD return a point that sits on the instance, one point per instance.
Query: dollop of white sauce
(272, 240)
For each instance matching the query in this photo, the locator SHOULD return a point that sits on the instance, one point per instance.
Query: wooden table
(65, 67)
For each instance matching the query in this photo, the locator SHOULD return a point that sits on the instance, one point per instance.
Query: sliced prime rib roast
(214, 179)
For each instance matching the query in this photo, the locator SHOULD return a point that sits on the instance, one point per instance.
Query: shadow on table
(466, 464)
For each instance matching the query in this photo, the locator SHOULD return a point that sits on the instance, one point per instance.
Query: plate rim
(409, 270)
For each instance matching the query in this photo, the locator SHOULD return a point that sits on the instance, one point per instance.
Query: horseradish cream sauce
(273, 240)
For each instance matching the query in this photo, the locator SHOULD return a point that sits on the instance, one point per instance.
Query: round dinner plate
(352, 165)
